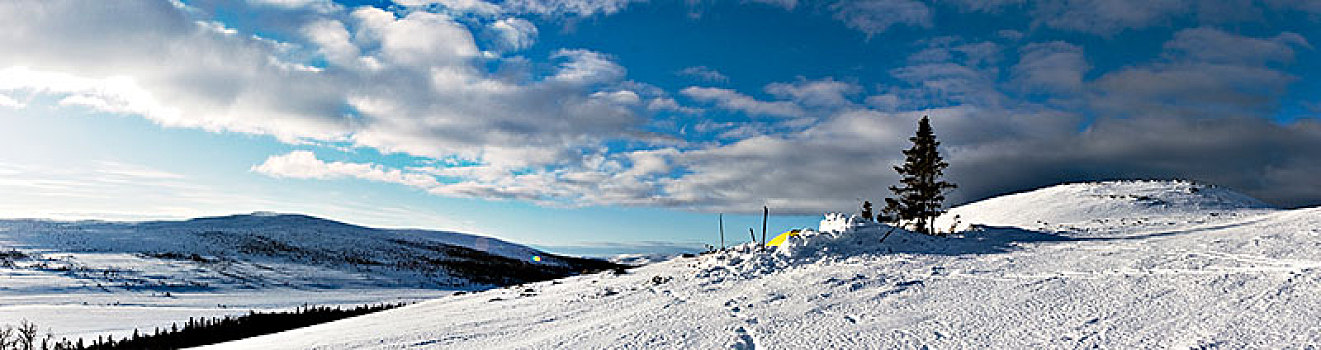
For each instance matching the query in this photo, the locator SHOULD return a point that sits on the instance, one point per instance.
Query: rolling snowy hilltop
(1116, 265)
(90, 278)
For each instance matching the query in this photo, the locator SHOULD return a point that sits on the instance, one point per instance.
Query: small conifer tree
(866, 210)
(921, 193)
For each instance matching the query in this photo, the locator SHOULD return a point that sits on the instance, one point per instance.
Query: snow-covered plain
(1111, 265)
(92, 278)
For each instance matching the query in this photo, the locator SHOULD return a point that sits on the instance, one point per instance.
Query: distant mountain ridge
(270, 250)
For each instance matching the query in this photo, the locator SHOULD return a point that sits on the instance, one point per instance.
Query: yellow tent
(783, 237)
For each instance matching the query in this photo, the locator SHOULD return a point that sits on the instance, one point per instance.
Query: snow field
(1205, 269)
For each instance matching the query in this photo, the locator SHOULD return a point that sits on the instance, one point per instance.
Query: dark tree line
(206, 331)
(920, 196)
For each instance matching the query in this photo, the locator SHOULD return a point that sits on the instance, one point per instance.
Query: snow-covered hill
(1103, 204)
(1246, 277)
(237, 262)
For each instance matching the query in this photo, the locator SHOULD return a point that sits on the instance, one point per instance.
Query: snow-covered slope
(262, 250)
(228, 264)
(1245, 278)
(1103, 203)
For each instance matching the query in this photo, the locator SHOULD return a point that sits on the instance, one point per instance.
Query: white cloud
(582, 67)
(412, 83)
(621, 97)
(305, 165)
(826, 92)
(478, 7)
(334, 42)
(947, 83)
(884, 102)
(579, 8)
(733, 100)
(669, 104)
(876, 16)
(1052, 67)
(705, 74)
(514, 33)
(324, 6)
(419, 39)
(118, 94)
(1215, 46)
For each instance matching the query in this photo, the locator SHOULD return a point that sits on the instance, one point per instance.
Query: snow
(1111, 265)
(1095, 201)
(90, 278)
(641, 259)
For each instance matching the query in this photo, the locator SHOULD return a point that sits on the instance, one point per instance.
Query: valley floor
(92, 314)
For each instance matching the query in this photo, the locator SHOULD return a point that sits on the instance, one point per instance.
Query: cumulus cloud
(334, 42)
(412, 83)
(735, 101)
(151, 58)
(514, 33)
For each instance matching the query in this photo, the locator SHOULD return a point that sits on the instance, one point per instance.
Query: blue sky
(615, 125)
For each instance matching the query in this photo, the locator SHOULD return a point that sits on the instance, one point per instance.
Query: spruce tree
(922, 192)
(866, 210)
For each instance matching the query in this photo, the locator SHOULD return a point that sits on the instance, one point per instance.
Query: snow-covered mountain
(264, 250)
(145, 274)
(1110, 265)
